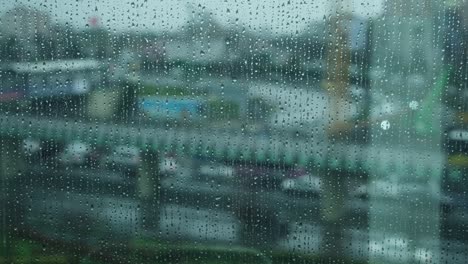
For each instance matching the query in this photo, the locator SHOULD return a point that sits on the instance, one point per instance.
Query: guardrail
(230, 145)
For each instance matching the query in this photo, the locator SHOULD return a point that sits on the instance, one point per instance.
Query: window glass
(322, 131)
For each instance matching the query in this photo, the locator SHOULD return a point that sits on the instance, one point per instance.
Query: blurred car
(307, 185)
(124, 158)
(76, 153)
(31, 146)
(216, 172)
(361, 192)
(36, 150)
(168, 165)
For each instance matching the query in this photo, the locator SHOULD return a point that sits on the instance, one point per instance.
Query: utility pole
(336, 84)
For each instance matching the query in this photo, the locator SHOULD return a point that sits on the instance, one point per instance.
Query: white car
(217, 171)
(303, 184)
(168, 165)
(75, 153)
(31, 146)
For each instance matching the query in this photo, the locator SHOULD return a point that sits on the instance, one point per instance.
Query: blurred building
(29, 35)
(203, 41)
(25, 23)
(23, 30)
(405, 63)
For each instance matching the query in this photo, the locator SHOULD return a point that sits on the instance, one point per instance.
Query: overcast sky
(265, 16)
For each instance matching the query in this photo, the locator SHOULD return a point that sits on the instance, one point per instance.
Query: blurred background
(234, 132)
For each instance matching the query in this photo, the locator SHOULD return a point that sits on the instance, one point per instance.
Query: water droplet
(385, 125)
(413, 105)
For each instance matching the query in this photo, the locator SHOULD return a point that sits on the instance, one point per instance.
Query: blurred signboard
(172, 108)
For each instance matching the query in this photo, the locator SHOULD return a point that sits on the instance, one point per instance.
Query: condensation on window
(322, 131)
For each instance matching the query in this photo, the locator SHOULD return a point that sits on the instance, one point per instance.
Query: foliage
(217, 109)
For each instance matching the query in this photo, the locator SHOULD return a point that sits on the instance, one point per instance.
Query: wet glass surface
(233, 132)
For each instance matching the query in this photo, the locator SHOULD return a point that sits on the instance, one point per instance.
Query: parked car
(38, 152)
(168, 165)
(216, 173)
(31, 146)
(75, 154)
(305, 185)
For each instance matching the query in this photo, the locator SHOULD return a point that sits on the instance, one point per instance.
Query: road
(395, 167)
